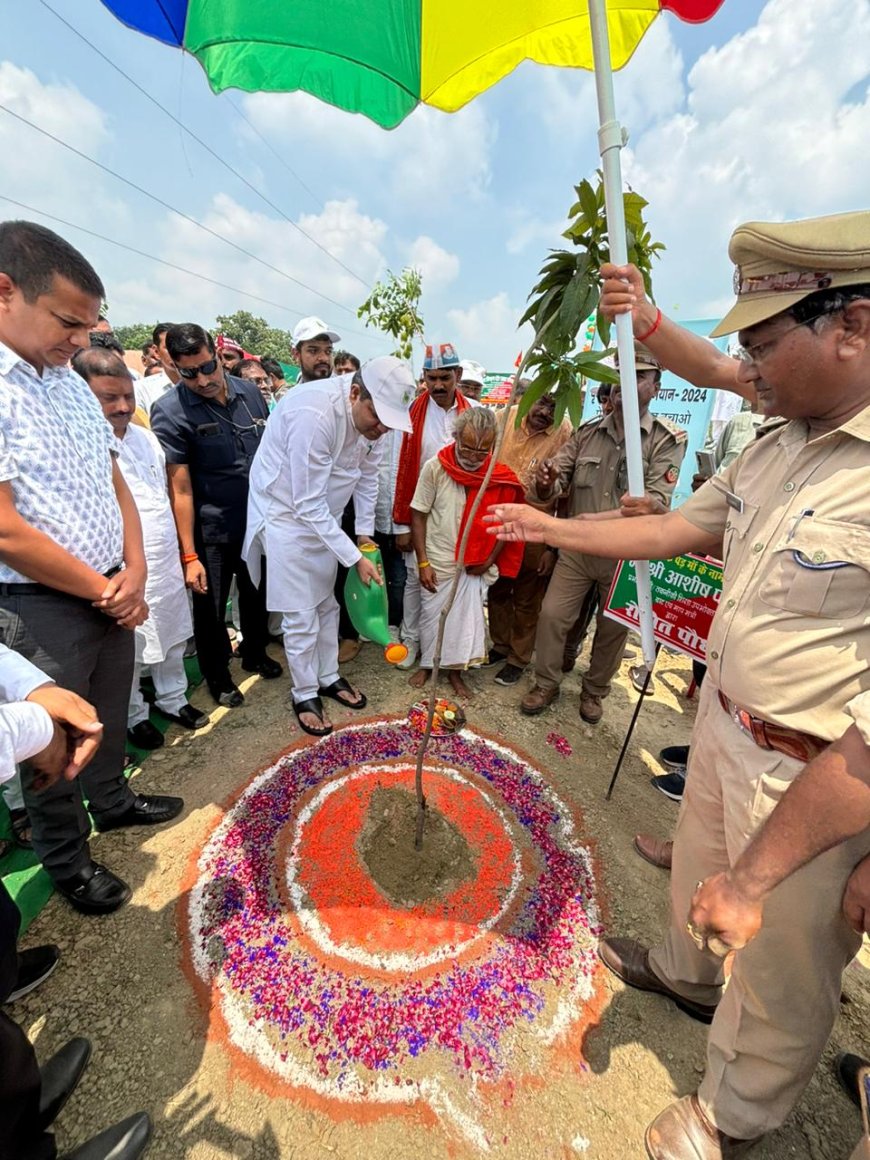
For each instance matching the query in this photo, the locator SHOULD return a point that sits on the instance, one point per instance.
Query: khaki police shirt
(592, 469)
(790, 641)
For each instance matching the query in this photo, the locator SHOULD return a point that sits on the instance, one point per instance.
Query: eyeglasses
(473, 452)
(762, 350)
(206, 368)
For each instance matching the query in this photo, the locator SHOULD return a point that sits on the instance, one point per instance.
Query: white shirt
(25, 729)
(56, 452)
(438, 432)
(151, 388)
(143, 465)
(310, 461)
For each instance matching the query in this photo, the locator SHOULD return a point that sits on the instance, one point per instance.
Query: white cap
(311, 327)
(391, 385)
(472, 372)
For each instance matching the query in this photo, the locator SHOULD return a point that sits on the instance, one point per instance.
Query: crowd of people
(136, 508)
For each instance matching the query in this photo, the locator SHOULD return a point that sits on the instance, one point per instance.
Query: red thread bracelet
(652, 329)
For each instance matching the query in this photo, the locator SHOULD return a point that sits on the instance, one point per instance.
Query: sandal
(20, 825)
(343, 686)
(312, 705)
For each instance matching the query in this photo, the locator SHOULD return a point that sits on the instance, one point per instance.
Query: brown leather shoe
(683, 1132)
(537, 700)
(591, 708)
(348, 650)
(629, 961)
(654, 850)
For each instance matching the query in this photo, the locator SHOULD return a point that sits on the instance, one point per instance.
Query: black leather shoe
(188, 717)
(34, 967)
(94, 890)
(146, 809)
(265, 666)
(848, 1066)
(145, 735)
(227, 695)
(58, 1079)
(124, 1141)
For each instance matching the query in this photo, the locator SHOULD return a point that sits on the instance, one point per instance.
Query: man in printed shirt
(72, 567)
(788, 686)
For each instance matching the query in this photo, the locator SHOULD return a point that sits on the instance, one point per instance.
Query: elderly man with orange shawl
(440, 508)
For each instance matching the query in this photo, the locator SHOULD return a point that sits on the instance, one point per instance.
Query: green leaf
(534, 391)
(575, 408)
(588, 200)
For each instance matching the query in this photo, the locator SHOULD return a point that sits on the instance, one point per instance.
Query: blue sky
(763, 112)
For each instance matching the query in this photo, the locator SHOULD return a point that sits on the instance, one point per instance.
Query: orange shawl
(503, 487)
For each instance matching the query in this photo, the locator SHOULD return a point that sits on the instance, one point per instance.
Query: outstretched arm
(688, 355)
(638, 538)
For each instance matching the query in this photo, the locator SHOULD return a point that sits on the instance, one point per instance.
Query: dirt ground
(121, 982)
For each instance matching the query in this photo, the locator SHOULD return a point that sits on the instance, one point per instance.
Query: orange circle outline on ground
(340, 907)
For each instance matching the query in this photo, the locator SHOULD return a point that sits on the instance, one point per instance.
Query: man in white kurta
(161, 640)
(319, 449)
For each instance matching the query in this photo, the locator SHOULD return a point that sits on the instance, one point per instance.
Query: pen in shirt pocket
(795, 524)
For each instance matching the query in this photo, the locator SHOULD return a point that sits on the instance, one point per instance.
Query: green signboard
(685, 595)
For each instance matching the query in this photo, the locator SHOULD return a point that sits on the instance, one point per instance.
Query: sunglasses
(206, 368)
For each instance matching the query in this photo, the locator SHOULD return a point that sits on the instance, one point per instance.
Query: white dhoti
(464, 640)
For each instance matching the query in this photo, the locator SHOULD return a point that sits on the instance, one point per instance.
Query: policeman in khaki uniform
(590, 472)
(788, 681)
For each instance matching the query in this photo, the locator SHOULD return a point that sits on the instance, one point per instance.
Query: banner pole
(631, 724)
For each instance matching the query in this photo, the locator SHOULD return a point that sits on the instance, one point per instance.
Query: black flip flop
(20, 825)
(342, 686)
(312, 705)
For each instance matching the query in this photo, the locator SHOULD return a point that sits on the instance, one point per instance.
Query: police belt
(29, 589)
(766, 735)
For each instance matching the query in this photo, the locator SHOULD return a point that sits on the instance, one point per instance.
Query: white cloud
(347, 233)
(42, 173)
(528, 230)
(437, 266)
(487, 332)
(431, 156)
(773, 129)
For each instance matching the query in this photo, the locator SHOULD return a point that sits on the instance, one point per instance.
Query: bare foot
(419, 678)
(458, 685)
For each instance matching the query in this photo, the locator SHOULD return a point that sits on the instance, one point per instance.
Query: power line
(165, 205)
(151, 257)
(207, 147)
(232, 104)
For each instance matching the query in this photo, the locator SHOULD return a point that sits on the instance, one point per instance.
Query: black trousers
(85, 651)
(221, 563)
(19, 1072)
(395, 572)
(346, 630)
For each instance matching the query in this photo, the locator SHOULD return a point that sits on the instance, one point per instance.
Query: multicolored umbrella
(384, 57)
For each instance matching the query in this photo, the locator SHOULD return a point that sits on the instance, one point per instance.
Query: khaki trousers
(514, 607)
(776, 1013)
(573, 578)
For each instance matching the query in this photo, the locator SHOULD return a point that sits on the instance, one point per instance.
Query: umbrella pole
(610, 142)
